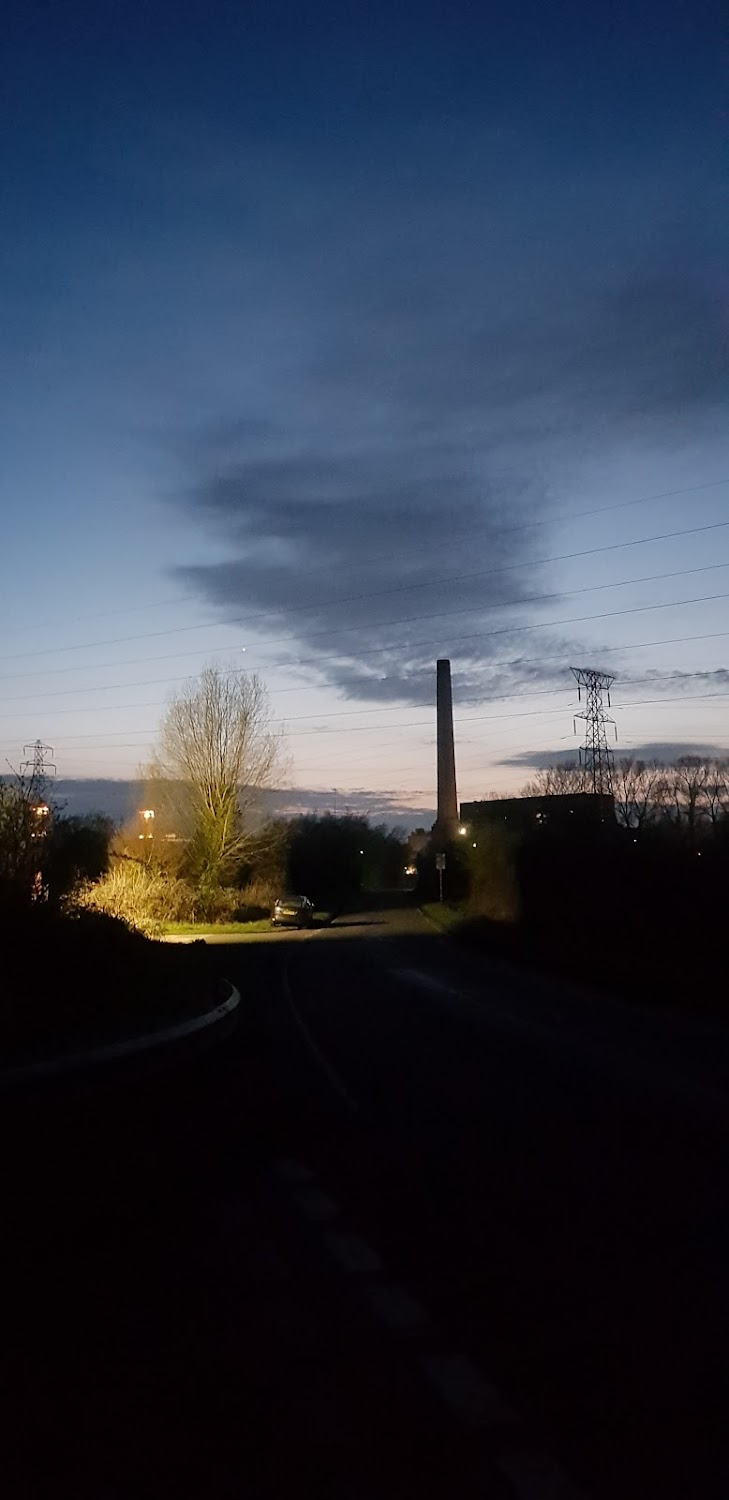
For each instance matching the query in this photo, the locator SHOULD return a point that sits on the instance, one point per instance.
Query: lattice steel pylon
(38, 769)
(596, 755)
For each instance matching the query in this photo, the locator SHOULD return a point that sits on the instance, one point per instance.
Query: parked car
(292, 911)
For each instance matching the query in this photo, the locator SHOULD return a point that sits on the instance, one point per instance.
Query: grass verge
(212, 929)
(232, 929)
(447, 915)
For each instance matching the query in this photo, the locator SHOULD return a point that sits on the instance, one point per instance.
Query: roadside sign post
(440, 864)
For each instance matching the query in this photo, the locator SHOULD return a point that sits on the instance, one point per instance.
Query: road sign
(440, 861)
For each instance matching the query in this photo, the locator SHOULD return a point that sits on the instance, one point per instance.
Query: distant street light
(40, 810)
(463, 831)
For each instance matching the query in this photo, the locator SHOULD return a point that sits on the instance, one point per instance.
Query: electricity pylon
(596, 755)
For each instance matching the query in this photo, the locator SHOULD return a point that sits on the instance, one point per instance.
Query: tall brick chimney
(447, 819)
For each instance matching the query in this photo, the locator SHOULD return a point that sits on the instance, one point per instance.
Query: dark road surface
(542, 1176)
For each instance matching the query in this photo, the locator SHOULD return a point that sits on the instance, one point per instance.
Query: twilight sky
(336, 339)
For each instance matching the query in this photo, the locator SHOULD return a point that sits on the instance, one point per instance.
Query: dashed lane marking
(335, 1082)
(397, 1308)
(292, 1173)
(465, 1391)
(535, 1476)
(530, 1473)
(424, 981)
(315, 1205)
(352, 1252)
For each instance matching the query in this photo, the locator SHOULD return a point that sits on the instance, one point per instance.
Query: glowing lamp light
(463, 831)
(147, 813)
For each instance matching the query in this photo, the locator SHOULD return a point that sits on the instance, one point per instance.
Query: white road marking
(335, 1082)
(315, 1205)
(464, 1389)
(486, 1008)
(289, 1171)
(352, 1252)
(396, 1307)
(424, 981)
(535, 1476)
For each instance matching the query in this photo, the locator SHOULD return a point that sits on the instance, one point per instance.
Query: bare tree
(216, 756)
(559, 781)
(686, 784)
(716, 791)
(638, 790)
(691, 794)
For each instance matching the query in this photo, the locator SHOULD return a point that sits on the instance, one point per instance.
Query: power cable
(377, 593)
(493, 531)
(361, 728)
(327, 714)
(416, 645)
(593, 588)
(110, 744)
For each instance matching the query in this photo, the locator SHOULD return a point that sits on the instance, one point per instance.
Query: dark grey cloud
(665, 751)
(374, 563)
(441, 336)
(696, 681)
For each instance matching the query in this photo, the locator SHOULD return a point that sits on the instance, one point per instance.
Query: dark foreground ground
(514, 1236)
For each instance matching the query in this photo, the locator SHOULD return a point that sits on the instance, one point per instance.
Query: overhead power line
(78, 740)
(447, 614)
(550, 520)
(678, 640)
(487, 718)
(406, 588)
(549, 715)
(387, 646)
(419, 723)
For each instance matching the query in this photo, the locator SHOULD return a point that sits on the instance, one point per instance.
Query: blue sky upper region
(336, 339)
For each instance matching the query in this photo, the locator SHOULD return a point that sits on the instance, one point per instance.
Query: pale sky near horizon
(334, 343)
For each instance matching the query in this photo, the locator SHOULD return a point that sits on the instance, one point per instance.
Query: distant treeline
(690, 793)
(637, 905)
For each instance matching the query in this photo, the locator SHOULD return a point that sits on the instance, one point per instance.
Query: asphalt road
(542, 1173)
(547, 1169)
